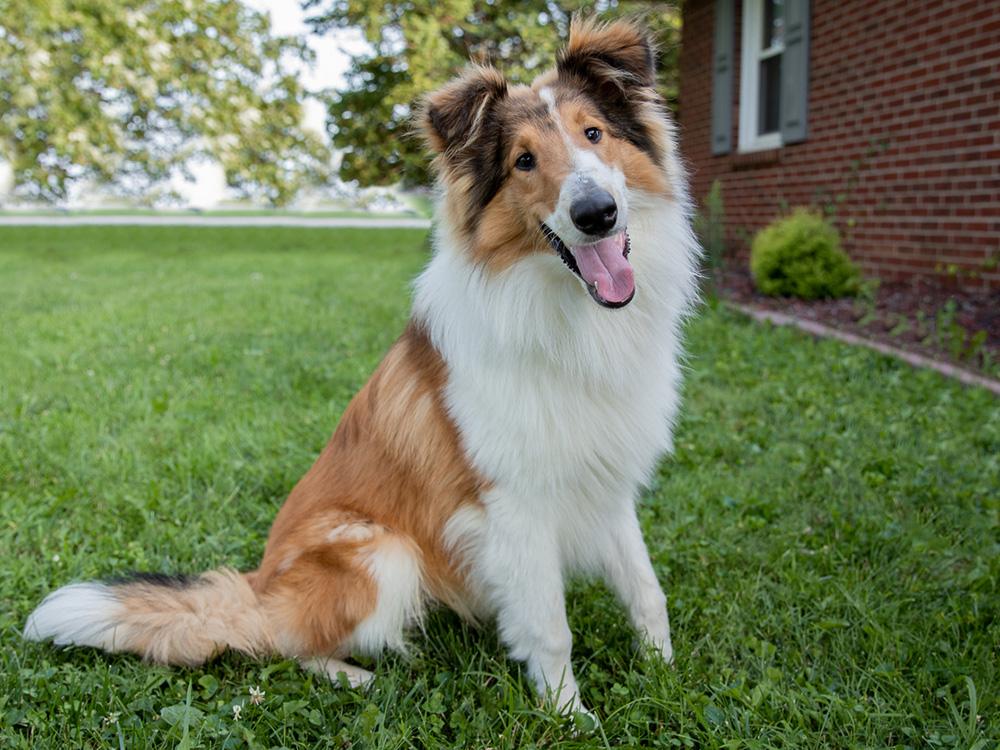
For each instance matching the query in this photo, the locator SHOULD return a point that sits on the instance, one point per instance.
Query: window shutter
(795, 72)
(722, 79)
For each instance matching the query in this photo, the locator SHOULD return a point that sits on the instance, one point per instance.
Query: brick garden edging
(911, 358)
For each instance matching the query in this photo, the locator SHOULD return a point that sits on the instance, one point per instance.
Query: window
(763, 46)
(774, 85)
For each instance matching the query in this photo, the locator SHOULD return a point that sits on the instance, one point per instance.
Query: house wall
(904, 135)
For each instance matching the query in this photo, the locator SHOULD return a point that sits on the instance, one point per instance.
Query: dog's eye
(525, 162)
(593, 134)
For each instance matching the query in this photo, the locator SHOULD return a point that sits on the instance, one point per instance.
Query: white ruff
(558, 400)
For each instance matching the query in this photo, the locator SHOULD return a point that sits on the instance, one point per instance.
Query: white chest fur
(564, 406)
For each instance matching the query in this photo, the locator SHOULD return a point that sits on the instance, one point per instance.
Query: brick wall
(904, 101)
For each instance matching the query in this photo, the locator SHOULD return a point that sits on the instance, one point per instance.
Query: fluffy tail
(162, 618)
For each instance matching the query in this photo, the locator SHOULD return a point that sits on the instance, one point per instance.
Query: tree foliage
(129, 90)
(419, 44)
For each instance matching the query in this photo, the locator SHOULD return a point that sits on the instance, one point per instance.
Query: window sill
(754, 159)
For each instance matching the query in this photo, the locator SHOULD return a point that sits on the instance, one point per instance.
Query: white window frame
(751, 56)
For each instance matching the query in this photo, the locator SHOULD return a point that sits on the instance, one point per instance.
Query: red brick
(924, 78)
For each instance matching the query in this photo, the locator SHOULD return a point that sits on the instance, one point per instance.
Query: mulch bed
(950, 325)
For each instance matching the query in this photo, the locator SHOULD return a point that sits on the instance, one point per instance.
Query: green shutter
(795, 72)
(722, 78)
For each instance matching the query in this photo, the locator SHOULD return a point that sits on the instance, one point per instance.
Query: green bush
(800, 256)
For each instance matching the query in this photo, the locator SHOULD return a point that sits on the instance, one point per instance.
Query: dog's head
(551, 168)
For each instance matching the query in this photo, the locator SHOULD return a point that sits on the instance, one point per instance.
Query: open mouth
(602, 266)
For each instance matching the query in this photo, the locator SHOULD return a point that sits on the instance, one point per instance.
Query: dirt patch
(948, 325)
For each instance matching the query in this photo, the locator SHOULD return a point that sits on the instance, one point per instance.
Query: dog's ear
(615, 64)
(619, 54)
(455, 115)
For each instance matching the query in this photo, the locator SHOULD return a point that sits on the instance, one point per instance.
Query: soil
(951, 325)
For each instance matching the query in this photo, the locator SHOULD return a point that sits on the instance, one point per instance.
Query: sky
(332, 50)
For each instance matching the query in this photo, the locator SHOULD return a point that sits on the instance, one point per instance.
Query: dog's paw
(569, 705)
(666, 650)
(660, 648)
(340, 673)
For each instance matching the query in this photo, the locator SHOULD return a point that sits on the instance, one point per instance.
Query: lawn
(828, 530)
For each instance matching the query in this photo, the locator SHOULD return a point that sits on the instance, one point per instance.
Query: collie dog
(501, 445)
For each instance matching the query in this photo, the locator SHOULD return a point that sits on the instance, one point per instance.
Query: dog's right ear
(454, 116)
(619, 54)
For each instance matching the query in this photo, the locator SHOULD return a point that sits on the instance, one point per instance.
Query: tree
(126, 91)
(419, 44)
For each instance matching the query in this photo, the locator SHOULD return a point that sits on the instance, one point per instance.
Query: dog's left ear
(620, 53)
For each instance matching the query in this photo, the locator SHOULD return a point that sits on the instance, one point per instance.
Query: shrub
(800, 256)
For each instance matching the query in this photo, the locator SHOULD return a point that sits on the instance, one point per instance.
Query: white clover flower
(256, 695)
(236, 711)
(111, 718)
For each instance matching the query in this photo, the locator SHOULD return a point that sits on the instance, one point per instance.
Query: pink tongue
(603, 265)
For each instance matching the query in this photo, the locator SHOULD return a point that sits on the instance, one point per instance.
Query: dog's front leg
(629, 572)
(520, 562)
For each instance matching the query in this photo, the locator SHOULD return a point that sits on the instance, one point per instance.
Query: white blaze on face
(589, 173)
(601, 260)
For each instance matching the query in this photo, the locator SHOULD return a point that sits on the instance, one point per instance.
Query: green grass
(828, 530)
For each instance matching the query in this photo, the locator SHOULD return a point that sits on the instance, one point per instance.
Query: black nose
(595, 213)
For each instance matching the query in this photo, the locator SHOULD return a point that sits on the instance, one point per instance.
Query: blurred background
(255, 103)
